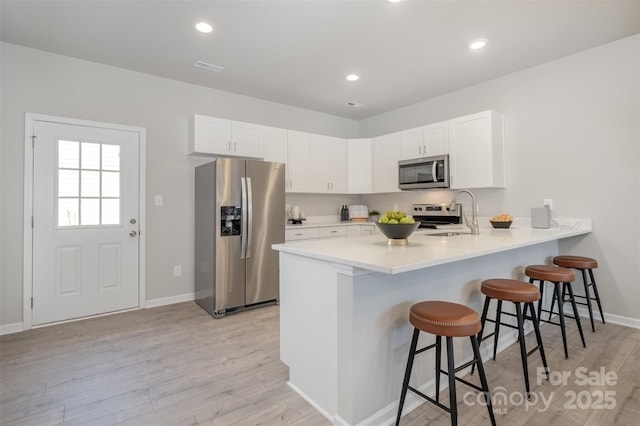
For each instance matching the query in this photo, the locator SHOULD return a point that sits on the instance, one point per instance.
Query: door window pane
(90, 184)
(88, 180)
(68, 212)
(89, 211)
(68, 183)
(110, 184)
(68, 154)
(90, 155)
(110, 157)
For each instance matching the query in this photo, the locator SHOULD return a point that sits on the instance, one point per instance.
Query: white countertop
(373, 253)
(324, 221)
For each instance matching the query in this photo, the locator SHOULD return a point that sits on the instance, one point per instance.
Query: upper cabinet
(359, 166)
(385, 153)
(217, 136)
(328, 164)
(275, 145)
(411, 145)
(435, 139)
(297, 162)
(476, 147)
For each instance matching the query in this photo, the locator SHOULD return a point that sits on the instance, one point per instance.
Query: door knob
(133, 233)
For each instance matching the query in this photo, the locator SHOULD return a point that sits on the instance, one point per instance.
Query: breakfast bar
(344, 330)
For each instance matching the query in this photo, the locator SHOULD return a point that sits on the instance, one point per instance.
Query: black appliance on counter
(436, 215)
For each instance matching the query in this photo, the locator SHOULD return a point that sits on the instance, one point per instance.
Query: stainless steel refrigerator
(239, 214)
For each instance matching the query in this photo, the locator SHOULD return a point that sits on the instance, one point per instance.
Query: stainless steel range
(436, 215)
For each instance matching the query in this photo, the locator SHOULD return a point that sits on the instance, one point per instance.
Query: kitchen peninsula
(344, 303)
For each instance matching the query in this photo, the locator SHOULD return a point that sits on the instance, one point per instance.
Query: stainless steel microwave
(424, 173)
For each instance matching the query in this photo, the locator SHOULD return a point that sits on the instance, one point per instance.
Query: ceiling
(299, 52)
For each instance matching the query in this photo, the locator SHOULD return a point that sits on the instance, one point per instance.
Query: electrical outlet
(177, 270)
(159, 200)
(548, 202)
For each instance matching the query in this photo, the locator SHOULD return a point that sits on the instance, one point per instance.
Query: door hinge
(32, 303)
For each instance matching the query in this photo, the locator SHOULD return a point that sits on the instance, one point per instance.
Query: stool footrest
(426, 348)
(428, 398)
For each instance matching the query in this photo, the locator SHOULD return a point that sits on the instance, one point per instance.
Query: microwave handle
(434, 170)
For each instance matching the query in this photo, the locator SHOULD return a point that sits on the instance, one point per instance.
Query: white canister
(295, 213)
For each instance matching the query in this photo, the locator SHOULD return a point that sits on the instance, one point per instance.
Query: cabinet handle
(332, 186)
(235, 146)
(333, 232)
(298, 235)
(229, 145)
(328, 185)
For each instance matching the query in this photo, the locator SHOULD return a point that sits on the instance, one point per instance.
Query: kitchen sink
(448, 234)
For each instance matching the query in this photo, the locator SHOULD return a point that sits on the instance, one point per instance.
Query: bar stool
(520, 293)
(557, 276)
(449, 320)
(583, 264)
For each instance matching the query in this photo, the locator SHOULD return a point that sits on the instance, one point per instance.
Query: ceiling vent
(206, 66)
(353, 104)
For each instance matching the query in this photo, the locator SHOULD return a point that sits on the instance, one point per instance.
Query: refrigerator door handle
(249, 217)
(243, 227)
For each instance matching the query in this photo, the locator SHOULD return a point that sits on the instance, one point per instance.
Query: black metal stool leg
(575, 312)
(407, 373)
(588, 297)
(438, 365)
(497, 329)
(483, 319)
(483, 378)
(451, 365)
(595, 292)
(556, 294)
(536, 328)
(532, 281)
(523, 348)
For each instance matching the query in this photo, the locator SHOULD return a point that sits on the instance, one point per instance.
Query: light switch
(159, 200)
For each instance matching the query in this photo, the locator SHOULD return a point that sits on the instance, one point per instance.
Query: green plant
(374, 212)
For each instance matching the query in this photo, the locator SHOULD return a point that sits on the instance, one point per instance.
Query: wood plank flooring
(175, 365)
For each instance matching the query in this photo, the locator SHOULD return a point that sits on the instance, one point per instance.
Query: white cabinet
(327, 164)
(217, 136)
(297, 162)
(384, 164)
(300, 234)
(332, 231)
(476, 145)
(435, 139)
(425, 141)
(359, 166)
(411, 145)
(275, 145)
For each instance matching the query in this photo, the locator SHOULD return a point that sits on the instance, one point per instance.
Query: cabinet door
(298, 161)
(209, 135)
(411, 144)
(275, 145)
(337, 165)
(247, 139)
(476, 151)
(359, 166)
(319, 148)
(385, 154)
(435, 139)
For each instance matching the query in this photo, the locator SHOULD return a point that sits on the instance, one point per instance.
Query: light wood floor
(175, 365)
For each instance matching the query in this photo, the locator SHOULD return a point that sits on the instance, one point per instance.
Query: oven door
(424, 173)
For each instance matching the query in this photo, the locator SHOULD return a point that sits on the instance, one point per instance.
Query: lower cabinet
(328, 232)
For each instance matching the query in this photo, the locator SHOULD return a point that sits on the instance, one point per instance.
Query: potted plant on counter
(374, 215)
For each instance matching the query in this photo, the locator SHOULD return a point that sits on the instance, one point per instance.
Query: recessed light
(203, 27)
(352, 77)
(478, 44)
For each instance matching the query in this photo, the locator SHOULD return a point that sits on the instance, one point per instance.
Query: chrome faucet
(473, 225)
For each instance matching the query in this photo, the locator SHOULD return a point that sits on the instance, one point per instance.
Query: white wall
(572, 131)
(46, 83)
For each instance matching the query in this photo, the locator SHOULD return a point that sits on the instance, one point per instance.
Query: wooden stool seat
(510, 290)
(554, 274)
(576, 262)
(445, 319)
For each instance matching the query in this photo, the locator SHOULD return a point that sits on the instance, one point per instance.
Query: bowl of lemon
(397, 227)
(503, 221)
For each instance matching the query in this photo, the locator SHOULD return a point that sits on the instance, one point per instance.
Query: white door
(85, 221)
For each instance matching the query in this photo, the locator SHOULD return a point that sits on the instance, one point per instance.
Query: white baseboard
(16, 327)
(186, 297)
(612, 318)
(310, 401)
